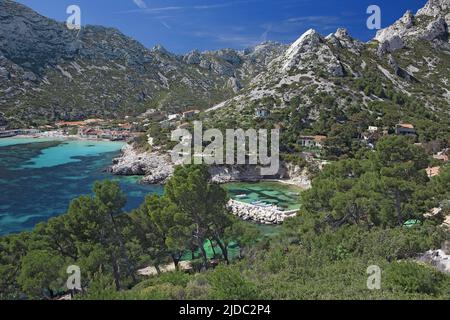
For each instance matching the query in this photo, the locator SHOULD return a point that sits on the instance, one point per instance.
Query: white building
(372, 129)
(261, 113)
(312, 141)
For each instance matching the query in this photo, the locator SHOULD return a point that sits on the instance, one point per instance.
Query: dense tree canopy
(351, 218)
(386, 187)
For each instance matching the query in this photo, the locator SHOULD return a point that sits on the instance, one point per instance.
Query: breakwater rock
(260, 214)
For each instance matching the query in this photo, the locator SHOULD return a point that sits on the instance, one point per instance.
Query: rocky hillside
(320, 81)
(48, 72)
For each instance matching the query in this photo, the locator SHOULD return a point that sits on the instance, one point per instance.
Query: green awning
(411, 223)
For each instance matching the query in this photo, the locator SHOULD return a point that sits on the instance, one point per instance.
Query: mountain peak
(342, 33)
(308, 42)
(342, 38)
(310, 37)
(434, 8)
(407, 19)
(159, 48)
(411, 27)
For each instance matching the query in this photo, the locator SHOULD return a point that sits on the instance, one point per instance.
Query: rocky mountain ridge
(49, 73)
(410, 59)
(101, 72)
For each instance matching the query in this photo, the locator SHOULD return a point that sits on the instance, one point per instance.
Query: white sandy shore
(57, 135)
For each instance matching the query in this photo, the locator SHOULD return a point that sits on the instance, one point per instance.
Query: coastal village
(96, 129)
(102, 196)
(130, 128)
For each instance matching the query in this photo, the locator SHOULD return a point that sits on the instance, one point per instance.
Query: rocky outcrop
(4, 73)
(342, 39)
(437, 258)
(301, 49)
(390, 45)
(155, 167)
(434, 8)
(411, 27)
(234, 84)
(296, 175)
(437, 29)
(399, 29)
(264, 215)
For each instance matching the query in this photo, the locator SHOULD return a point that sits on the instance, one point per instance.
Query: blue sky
(184, 25)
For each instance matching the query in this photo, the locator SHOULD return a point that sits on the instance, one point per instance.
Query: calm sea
(39, 178)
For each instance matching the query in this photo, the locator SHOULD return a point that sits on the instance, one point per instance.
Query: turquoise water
(284, 196)
(4, 142)
(39, 177)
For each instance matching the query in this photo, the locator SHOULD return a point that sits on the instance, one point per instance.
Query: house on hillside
(153, 114)
(190, 114)
(173, 117)
(89, 133)
(441, 156)
(261, 113)
(312, 141)
(372, 135)
(433, 172)
(125, 127)
(405, 129)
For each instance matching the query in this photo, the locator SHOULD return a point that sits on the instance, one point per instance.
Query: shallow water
(282, 195)
(39, 177)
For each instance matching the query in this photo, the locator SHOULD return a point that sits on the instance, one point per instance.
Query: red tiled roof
(406, 125)
(320, 138)
(432, 172)
(70, 123)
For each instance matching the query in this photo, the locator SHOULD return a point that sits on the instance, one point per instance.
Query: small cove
(39, 178)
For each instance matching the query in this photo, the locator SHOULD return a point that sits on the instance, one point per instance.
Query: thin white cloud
(221, 5)
(229, 39)
(265, 35)
(154, 10)
(140, 3)
(295, 24)
(165, 24)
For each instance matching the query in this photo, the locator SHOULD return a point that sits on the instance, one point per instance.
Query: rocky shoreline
(157, 167)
